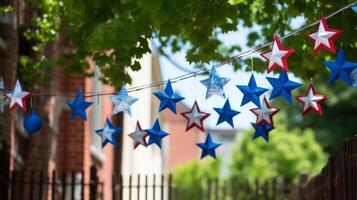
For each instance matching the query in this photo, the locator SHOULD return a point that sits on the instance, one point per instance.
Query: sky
(193, 90)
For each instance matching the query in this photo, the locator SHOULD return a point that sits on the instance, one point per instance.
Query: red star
(277, 56)
(324, 37)
(265, 113)
(195, 117)
(311, 101)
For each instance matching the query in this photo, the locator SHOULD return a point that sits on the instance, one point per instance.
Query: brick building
(71, 146)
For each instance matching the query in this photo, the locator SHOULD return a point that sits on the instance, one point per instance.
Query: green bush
(287, 153)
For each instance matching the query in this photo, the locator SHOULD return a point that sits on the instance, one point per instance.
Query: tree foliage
(287, 154)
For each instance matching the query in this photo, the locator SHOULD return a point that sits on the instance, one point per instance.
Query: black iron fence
(55, 186)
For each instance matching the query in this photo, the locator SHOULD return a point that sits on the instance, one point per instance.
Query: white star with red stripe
(18, 97)
(265, 113)
(195, 117)
(277, 56)
(311, 101)
(324, 37)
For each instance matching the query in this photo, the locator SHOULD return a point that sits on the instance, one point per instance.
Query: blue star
(156, 134)
(262, 130)
(215, 84)
(122, 101)
(354, 8)
(340, 68)
(108, 133)
(208, 147)
(282, 86)
(168, 98)
(226, 114)
(78, 106)
(251, 92)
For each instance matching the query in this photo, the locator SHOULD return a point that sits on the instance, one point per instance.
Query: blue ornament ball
(32, 123)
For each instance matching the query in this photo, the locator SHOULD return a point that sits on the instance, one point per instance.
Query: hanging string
(202, 71)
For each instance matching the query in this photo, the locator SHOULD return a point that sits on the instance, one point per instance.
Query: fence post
(302, 185)
(22, 175)
(4, 170)
(153, 187)
(130, 179)
(217, 188)
(162, 186)
(53, 185)
(42, 182)
(121, 187)
(32, 181)
(146, 187)
(138, 188)
(209, 189)
(93, 183)
(64, 185)
(170, 187)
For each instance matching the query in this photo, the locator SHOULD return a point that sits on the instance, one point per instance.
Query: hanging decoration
(354, 78)
(18, 97)
(168, 98)
(265, 113)
(3, 99)
(156, 134)
(208, 147)
(32, 123)
(108, 133)
(226, 114)
(311, 101)
(139, 136)
(354, 8)
(277, 56)
(251, 92)
(195, 117)
(340, 68)
(262, 130)
(215, 84)
(79, 106)
(282, 86)
(122, 101)
(324, 37)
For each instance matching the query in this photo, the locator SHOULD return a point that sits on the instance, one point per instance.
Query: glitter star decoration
(168, 98)
(226, 114)
(108, 133)
(122, 101)
(262, 130)
(340, 68)
(215, 84)
(139, 136)
(265, 113)
(311, 101)
(18, 97)
(195, 117)
(324, 37)
(251, 92)
(277, 57)
(79, 106)
(156, 134)
(282, 86)
(3, 99)
(208, 147)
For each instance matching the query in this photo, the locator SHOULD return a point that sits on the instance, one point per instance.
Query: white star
(277, 56)
(122, 101)
(139, 136)
(265, 113)
(324, 37)
(195, 117)
(311, 101)
(18, 97)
